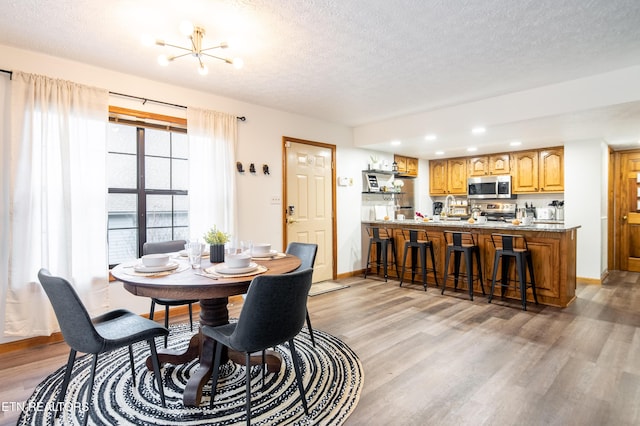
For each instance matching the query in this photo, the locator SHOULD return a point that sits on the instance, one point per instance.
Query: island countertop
(465, 225)
(553, 248)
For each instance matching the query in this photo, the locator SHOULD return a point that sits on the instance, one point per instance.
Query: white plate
(261, 255)
(224, 269)
(168, 267)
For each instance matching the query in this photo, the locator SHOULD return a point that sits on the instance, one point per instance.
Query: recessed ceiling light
(395, 142)
(439, 152)
(478, 130)
(515, 143)
(430, 137)
(472, 149)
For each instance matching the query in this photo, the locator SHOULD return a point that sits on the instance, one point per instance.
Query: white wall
(585, 182)
(260, 141)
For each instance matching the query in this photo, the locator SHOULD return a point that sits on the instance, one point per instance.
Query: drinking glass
(194, 251)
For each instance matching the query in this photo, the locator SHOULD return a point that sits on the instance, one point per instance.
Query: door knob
(624, 217)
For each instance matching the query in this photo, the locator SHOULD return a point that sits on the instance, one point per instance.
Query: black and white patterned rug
(332, 372)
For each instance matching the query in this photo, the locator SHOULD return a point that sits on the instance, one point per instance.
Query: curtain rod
(145, 100)
(7, 72)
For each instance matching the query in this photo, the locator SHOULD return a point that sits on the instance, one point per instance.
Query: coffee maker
(437, 208)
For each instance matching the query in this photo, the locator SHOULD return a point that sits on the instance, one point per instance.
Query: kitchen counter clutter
(553, 247)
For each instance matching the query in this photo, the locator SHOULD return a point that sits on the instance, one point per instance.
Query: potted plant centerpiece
(216, 240)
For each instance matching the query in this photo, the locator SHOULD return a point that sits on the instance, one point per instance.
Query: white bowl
(239, 260)
(261, 248)
(158, 259)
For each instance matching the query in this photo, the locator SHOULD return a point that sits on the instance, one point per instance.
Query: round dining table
(213, 291)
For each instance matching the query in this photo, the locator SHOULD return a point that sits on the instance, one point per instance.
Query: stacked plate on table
(156, 263)
(236, 264)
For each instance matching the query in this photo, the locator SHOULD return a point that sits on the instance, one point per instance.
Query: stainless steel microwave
(489, 187)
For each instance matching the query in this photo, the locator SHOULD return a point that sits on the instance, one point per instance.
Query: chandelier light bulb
(163, 60)
(238, 63)
(203, 70)
(186, 28)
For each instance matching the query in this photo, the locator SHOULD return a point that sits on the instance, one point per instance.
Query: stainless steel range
(496, 211)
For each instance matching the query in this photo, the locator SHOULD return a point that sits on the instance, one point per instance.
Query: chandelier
(195, 35)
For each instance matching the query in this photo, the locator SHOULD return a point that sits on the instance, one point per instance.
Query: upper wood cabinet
(412, 166)
(531, 171)
(496, 164)
(478, 166)
(525, 177)
(538, 171)
(406, 165)
(457, 180)
(500, 164)
(438, 177)
(551, 170)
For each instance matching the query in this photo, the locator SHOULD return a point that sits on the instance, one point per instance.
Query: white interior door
(309, 202)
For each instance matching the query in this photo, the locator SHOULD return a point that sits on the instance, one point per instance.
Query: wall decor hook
(239, 167)
(252, 168)
(265, 169)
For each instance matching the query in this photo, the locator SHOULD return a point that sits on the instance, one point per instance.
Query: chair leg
(522, 281)
(65, 381)
(456, 269)
(156, 369)
(133, 370)
(216, 371)
(479, 265)
(496, 259)
(296, 366)
(446, 271)
(166, 323)
(433, 264)
(404, 263)
(94, 364)
(191, 316)
(468, 257)
(248, 379)
(313, 339)
(366, 268)
(423, 260)
(152, 310)
(533, 280)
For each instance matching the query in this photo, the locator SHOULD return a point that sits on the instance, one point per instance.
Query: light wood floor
(443, 360)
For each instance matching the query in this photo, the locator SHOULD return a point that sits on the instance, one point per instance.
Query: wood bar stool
(513, 247)
(460, 243)
(382, 238)
(418, 240)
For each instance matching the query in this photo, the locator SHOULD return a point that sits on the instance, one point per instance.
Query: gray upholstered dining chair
(273, 313)
(168, 247)
(101, 334)
(307, 254)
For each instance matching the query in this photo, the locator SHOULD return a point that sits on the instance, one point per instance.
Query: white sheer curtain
(212, 179)
(55, 189)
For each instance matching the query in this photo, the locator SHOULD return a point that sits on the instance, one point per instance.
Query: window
(148, 178)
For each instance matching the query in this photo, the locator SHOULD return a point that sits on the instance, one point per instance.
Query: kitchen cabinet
(457, 176)
(500, 164)
(438, 177)
(407, 166)
(478, 166)
(551, 170)
(525, 178)
(496, 164)
(538, 171)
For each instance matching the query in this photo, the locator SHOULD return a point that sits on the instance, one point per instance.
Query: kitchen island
(553, 249)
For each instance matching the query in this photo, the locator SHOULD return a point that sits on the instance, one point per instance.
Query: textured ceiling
(353, 61)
